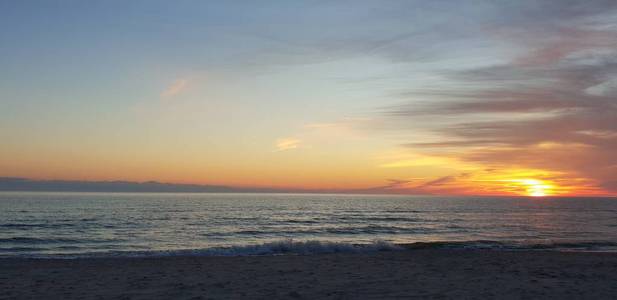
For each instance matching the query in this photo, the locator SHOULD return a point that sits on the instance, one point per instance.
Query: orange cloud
(175, 88)
(287, 144)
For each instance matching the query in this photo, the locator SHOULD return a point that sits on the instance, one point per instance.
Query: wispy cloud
(550, 107)
(175, 88)
(284, 144)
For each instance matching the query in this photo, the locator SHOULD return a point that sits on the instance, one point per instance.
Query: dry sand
(466, 274)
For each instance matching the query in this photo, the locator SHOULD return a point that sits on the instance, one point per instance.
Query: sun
(537, 194)
(531, 187)
(536, 188)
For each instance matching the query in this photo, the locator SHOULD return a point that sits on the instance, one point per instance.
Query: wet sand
(438, 274)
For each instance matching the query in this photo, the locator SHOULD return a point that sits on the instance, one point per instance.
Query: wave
(376, 229)
(298, 247)
(32, 240)
(295, 221)
(29, 240)
(345, 230)
(36, 225)
(311, 247)
(285, 247)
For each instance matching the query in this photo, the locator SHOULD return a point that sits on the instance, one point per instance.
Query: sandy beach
(383, 275)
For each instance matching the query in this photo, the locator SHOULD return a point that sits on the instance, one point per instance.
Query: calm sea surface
(42, 224)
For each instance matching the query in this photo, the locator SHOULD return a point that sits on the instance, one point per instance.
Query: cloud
(438, 182)
(450, 184)
(419, 161)
(394, 184)
(284, 144)
(552, 106)
(175, 88)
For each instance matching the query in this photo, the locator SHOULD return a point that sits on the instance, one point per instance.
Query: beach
(424, 273)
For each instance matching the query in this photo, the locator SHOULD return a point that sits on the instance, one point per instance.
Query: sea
(70, 225)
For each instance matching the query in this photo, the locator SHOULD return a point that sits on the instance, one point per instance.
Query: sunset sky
(419, 97)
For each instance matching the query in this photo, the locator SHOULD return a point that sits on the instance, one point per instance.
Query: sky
(418, 97)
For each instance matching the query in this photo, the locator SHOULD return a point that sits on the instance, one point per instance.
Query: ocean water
(93, 224)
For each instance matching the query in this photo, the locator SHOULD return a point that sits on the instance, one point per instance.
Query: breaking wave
(311, 247)
(285, 247)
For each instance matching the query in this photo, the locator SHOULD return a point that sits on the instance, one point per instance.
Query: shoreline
(424, 273)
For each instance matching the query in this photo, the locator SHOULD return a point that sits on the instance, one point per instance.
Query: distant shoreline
(15, 184)
(33, 185)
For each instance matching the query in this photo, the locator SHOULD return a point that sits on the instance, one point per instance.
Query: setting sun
(529, 187)
(537, 193)
(536, 188)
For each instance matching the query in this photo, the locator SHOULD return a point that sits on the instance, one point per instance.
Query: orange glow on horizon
(310, 169)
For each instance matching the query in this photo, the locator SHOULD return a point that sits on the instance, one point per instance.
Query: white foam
(301, 247)
(270, 248)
